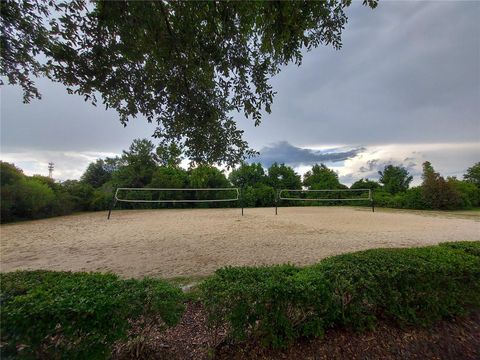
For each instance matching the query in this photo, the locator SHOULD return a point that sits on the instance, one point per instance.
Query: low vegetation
(77, 315)
(278, 304)
(67, 315)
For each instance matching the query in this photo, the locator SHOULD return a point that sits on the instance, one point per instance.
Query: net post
(241, 198)
(112, 204)
(371, 200)
(276, 202)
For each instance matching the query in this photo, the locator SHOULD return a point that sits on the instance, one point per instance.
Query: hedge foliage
(80, 315)
(278, 304)
(77, 315)
(35, 197)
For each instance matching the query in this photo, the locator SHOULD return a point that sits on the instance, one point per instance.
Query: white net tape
(341, 191)
(235, 191)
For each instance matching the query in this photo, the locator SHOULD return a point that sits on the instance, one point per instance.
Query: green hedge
(278, 304)
(470, 247)
(77, 315)
(80, 315)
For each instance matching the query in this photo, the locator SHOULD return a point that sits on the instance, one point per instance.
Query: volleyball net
(218, 195)
(325, 195)
(174, 195)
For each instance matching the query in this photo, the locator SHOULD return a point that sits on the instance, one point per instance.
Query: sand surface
(170, 243)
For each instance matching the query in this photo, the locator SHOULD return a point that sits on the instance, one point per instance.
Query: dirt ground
(195, 242)
(192, 338)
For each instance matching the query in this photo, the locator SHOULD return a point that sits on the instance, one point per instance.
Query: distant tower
(50, 169)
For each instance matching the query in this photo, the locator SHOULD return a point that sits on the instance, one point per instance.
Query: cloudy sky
(405, 88)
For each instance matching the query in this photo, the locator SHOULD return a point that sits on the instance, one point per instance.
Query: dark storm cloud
(408, 72)
(405, 74)
(62, 122)
(284, 152)
(372, 167)
(408, 75)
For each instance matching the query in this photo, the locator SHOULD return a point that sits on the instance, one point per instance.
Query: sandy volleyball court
(171, 243)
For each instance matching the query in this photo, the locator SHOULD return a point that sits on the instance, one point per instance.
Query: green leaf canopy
(186, 65)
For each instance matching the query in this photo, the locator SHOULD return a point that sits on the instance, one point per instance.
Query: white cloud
(68, 165)
(449, 159)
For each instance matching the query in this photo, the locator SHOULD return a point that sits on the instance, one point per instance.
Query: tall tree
(138, 164)
(81, 193)
(247, 175)
(365, 184)
(473, 174)
(100, 171)
(169, 177)
(395, 179)
(169, 155)
(321, 177)
(187, 65)
(205, 176)
(283, 177)
(437, 193)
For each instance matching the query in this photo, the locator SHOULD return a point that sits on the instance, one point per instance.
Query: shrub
(248, 196)
(264, 195)
(10, 174)
(30, 197)
(81, 194)
(469, 193)
(406, 286)
(101, 200)
(383, 199)
(412, 199)
(244, 295)
(470, 247)
(27, 198)
(77, 315)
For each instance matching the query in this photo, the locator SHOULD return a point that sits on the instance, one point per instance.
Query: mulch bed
(457, 338)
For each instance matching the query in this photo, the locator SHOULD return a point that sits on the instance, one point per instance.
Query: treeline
(145, 165)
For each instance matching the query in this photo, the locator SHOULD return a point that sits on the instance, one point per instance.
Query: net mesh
(326, 195)
(182, 195)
